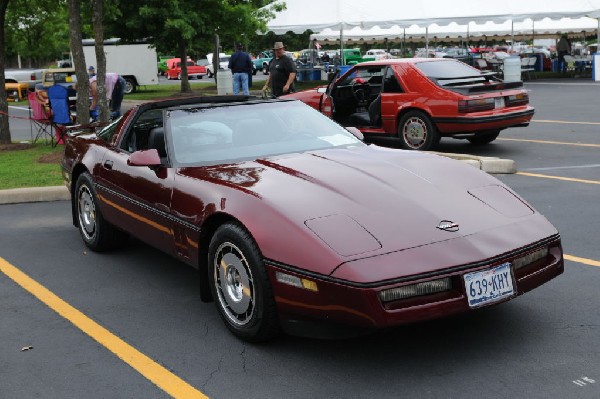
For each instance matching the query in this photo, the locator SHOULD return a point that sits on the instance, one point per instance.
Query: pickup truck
(30, 76)
(193, 70)
(261, 63)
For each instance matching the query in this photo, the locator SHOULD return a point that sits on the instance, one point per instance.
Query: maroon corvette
(293, 221)
(421, 100)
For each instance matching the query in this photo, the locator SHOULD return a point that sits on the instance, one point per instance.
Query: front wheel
(240, 286)
(416, 132)
(265, 69)
(484, 138)
(97, 233)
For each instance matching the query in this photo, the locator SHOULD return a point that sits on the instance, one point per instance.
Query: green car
(162, 63)
(262, 62)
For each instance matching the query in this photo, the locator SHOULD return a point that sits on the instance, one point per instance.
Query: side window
(136, 138)
(390, 82)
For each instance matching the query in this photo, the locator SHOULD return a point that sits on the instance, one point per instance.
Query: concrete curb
(34, 194)
(61, 193)
(490, 165)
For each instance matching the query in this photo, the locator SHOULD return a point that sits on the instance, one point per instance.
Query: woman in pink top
(115, 90)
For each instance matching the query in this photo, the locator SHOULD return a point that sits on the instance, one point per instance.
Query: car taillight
(480, 104)
(518, 99)
(32, 77)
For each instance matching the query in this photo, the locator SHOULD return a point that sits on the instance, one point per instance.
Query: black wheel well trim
(406, 110)
(497, 259)
(77, 171)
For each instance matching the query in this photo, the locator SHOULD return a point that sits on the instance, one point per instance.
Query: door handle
(108, 164)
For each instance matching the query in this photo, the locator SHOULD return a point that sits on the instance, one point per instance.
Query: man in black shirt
(240, 64)
(282, 72)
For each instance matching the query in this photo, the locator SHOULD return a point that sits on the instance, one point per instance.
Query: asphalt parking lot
(130, 324)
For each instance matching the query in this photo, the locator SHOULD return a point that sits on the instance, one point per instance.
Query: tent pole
(512, 36)
(426, 41)
(404, 41)
(342, 58)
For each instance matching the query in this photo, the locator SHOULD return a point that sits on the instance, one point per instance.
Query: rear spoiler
(493, 84)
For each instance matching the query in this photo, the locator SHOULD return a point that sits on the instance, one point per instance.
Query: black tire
(97, 233)
(241, 290)
(484, 138)
(130, 86)
(179, 76)
(416, 132)
(265, 69)
(210, 74)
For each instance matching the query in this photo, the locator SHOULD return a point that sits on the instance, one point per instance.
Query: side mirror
(357, 133)
(148, 158)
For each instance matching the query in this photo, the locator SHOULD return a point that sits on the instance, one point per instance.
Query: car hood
(368, 200)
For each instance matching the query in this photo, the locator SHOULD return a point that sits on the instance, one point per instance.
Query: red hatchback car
(421, 100)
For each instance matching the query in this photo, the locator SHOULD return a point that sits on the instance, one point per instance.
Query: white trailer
(137, 63)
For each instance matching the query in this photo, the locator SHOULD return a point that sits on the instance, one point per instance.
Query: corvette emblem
(448, 225)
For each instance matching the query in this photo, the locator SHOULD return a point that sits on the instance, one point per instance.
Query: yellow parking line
(565, 122)
(559, 178)
(588, 262)
(163, 378)
(551, 142)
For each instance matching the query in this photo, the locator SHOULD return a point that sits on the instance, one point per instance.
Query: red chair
(40, 118)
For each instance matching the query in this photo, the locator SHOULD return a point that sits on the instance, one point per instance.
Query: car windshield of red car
(236, 132)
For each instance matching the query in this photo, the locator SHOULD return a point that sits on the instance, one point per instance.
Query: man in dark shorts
(282, 72)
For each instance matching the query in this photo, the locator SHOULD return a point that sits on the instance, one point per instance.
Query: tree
(97, 14)
(188, 26)
(4, 124)
(75, 39)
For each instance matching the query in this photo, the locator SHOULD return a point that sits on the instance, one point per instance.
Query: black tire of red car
(179, 76)
(97, 233)
(416, 132)
(485, 138)
(241, 290)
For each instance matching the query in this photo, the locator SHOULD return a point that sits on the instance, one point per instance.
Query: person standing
(563, 47)
(282, 72)
(240, 64)
(115, 91)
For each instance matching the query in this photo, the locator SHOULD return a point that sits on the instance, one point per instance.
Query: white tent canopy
(318, 15)
(454, 30)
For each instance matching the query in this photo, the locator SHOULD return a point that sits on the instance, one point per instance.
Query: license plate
(499, 102)
(489, 286)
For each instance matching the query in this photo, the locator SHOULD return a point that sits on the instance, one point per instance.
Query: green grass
(21, 168)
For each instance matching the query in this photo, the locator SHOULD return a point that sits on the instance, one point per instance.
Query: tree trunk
(4, 124)
(97, 15)
(75, 40)
(185, 83)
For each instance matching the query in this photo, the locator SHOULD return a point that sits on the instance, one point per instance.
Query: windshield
(227, 134)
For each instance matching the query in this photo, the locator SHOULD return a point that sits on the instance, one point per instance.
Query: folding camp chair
(40, 119)
(61, 114)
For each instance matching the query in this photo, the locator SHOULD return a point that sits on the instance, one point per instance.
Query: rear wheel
(97, 233)
(240, 286)
(484, 138)
(416, 132)
(265, 69)
(130, 86)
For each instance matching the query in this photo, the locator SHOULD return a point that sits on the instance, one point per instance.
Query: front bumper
(358, 304)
